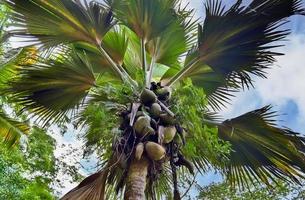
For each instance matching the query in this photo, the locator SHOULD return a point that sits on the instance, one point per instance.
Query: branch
(166, 109)
(189, 186)
(150, 71)
(144, 64)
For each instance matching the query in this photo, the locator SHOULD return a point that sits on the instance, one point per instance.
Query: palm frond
(176, 39)
(148, 19)
(261, 150)
(237, 44)
(15, 57)
(54, 22)
(115, 42)
(10, 129)
(50, 88)
(93, 187)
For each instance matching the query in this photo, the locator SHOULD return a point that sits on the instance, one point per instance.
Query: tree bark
(136, 179)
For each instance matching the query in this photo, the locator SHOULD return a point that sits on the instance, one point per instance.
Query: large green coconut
(148, 130)
(169, 134)
(155, 151)
(141, 123)
(148, 97)
(155, 110)
(166, 119)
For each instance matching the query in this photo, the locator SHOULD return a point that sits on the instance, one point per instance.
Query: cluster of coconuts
(154, 126)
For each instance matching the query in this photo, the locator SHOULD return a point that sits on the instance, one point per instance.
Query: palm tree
(10, 129)
(159, 76)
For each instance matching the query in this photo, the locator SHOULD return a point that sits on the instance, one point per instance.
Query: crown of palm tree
(92, 56)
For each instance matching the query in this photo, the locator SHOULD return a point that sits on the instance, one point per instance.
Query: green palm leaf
(54, 22)
(236, 44)
(50, 88)
(148, 19)
(16, 57)
(261, 150)
(11, 130)
(176, 39)
(115, 42)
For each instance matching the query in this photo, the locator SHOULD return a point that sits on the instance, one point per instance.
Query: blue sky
(284, 88)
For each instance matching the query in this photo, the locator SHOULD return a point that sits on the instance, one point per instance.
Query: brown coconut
(155, 151)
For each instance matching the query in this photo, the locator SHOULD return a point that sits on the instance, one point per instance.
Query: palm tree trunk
(136, 179)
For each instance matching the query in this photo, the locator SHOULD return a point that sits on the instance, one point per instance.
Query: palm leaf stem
(119, 69)
(166, 108)
(144, 63)
(182, 72)
(150, 71)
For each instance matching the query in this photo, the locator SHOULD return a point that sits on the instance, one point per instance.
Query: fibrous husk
(155, 110)
(169, 134)
(139, 151)
(155, 151)
(148, 97)
(141, 123)
(167, 119)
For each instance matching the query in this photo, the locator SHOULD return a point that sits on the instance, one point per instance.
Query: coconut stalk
(136, 179)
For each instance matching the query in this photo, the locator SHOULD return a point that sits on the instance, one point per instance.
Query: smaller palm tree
(146, 81)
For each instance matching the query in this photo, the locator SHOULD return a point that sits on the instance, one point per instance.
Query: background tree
(27, 173)
(280, 190)
(146, 82)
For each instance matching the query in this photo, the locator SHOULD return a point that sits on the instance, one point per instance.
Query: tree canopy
(145, 81)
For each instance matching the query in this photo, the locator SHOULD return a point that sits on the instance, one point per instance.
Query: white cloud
(286, 82)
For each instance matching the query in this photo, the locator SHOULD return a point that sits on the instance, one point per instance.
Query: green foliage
(232, 45)
(50, 88)
(236, 43)
(261, 150)
(223, 191)
(100, 130)
(203, 145)
(54, 22)
(26, 173)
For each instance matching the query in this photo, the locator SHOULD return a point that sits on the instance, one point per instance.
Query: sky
(284, 89)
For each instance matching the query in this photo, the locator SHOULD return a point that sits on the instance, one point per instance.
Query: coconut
(155, 110)
(148, 97)
(169, 134)
(154, 151)
(148, 131)
(164, 93)
(141, 123)
(167, 119)
(139, 151)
